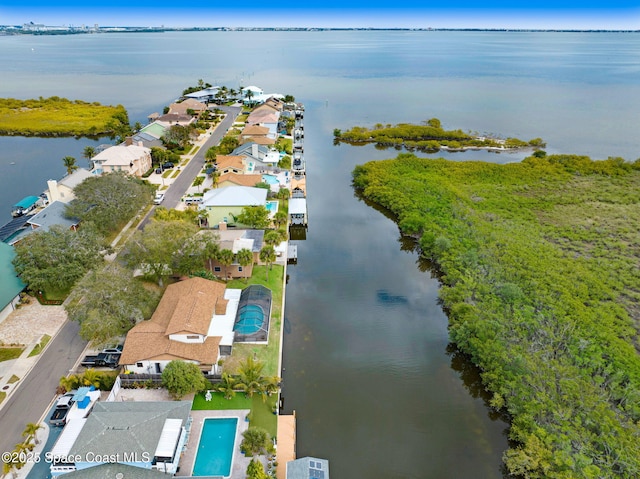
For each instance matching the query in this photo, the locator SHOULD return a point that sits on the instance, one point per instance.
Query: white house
(133, 159)
(63, 190)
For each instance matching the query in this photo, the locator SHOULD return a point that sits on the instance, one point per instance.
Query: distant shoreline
(39, 29)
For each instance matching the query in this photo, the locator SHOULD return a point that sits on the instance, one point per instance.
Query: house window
(139, 365)
(217, 269)
(239, 268)
(193, 337)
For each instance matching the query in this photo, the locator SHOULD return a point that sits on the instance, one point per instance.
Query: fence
(129, 381)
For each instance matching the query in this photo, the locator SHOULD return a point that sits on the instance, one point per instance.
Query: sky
(541, 14)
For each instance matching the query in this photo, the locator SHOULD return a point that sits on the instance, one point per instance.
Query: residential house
(205, 96)
(234, 179)
(62, 190)
(172, 119)
(183, 107)
(150, 135)
(133, 159)
(234, 164)
(235, 240)
(114, 470)
(182, 328)
(250, 132)
(308, 468)
(260, 155)
(223, 205)
(266, 116)
(10, 284)
(141, 434)
(52, 215)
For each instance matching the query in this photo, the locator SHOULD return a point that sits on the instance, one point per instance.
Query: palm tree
(256, 441)
(70, 382)
(244, 257)
(88, 153)
(250, 378)
(280, 218)
(70, 164)
(91, 377)
(225, 258)
(268, 256)
(227, 386)
(30, 432)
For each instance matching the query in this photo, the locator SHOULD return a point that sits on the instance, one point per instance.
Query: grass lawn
(56, 294)
(2, 396)
(40, 346)
(9, 353)
(13, 379)
(261, 412)
(269, 354)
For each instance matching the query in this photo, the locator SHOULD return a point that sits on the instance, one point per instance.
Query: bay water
(368, 368)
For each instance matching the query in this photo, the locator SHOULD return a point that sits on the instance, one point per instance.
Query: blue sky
(588, 14)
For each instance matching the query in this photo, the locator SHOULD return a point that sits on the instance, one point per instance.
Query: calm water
(368, 370)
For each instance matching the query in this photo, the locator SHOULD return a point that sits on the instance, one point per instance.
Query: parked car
(167, 165)
(59, 416)
(114, 350)
(157, 200)
(109, 360)
(159, 171)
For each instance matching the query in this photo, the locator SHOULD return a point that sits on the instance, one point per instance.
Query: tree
(178, 135)
(256, 441)
(225, 258)
(57, 258)
(244, 257)
(30, 432)
(255, 470)
(70, 164)
(159, 155)
(274, 237)
(280, 218)
(227, 386)
(254, 216)
(211, 154)
(108, 303)
(109, 201)
(88, 153)
(91, 377)
(158, 249)
(181, 378)
(268, 256)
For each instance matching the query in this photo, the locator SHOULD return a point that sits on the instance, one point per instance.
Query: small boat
(25, 205)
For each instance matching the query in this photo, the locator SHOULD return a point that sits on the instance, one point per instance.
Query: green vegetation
(428, 137)
(102, 380)
(3, 395)
(182, 378)
(9, 353)
(256, 441)
(61, 117)
(13, 379)
(40, 346)
(539, 266)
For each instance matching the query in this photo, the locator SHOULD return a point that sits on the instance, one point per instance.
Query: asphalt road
(35, 392)
(179, 187)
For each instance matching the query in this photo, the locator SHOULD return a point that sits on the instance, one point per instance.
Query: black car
(159, 171)
(167, 165)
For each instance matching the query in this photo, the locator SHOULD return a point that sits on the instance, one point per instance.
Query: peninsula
(430, 137)
(540, 283)
(57, 116)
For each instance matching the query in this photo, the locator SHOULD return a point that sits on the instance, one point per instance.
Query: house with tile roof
(266, 116)
(188, 104)
(234, 179)
(134, 159)
(142, 434)
(223, 205)
(181, 328)
(251, 131)
(62, 190)
(171, 119)
(234, 164)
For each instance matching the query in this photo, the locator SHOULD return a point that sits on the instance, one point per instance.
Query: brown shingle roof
(261, 140)
(224, 161)
(185, 307)
(255, 130)
(242, 180)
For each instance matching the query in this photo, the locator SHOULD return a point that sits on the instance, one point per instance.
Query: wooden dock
(286, 450)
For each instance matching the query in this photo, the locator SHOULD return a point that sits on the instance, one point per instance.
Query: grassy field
(9, 353)
(59, 117)
(40, 346)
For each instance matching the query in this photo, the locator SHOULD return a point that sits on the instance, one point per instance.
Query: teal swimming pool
(215, 449)
(272, 206)
(270, 179)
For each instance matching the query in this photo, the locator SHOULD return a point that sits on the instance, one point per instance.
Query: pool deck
(239, 463)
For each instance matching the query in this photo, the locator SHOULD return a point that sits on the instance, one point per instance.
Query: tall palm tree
(244, 257)
(227, 386)
(250, 378)
(225, 258)
(70, 164)
(91, 377)
(268, 256)
(30, 432)
(88, 153)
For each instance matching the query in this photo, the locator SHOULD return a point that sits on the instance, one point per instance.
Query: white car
(158, 199)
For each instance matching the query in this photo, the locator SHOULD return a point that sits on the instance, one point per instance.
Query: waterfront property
(62, 190)
(298, 211)
(133, 159)
(193, 322)
(308, 468)
(147, 435)
(235, 240)
(52, 215)
(10, 284)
